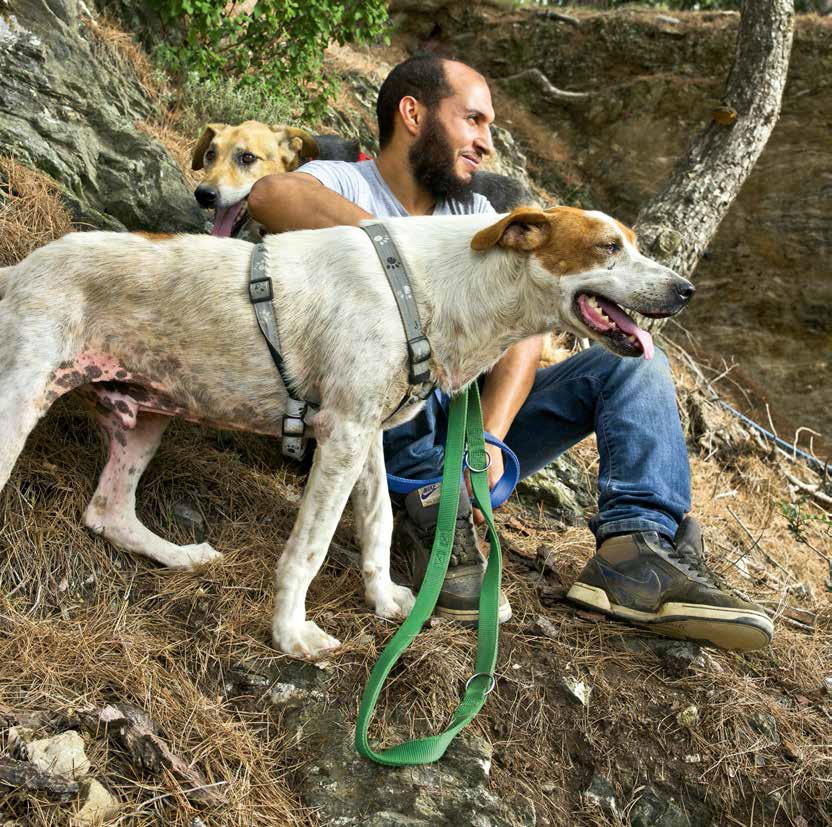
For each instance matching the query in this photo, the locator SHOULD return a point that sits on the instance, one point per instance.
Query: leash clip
(492, 681)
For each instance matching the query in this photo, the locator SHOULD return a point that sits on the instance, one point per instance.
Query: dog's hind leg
(339, 458)
(374, 524)
(112, 510)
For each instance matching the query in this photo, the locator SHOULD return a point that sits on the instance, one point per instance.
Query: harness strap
(261, 294)
(418, 346)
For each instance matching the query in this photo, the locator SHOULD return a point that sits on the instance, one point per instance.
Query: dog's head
(234, 157)
(594, 265)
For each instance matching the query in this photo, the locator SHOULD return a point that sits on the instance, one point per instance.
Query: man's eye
(248, 157)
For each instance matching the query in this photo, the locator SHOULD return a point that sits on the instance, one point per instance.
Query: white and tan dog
(235, 157)
(153, 328)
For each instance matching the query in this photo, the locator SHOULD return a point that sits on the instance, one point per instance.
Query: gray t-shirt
(361, 183)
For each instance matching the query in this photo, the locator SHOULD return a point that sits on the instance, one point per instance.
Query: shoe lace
(693, 561)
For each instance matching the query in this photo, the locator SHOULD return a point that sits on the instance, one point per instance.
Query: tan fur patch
(155, 236)
(573, 245)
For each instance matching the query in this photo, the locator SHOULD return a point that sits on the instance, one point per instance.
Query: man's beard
(432, 162)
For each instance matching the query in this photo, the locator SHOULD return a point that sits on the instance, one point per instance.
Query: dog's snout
(206, 196)
(685, 289)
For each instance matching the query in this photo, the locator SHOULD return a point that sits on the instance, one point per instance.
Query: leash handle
(499, 494)
(465, 421)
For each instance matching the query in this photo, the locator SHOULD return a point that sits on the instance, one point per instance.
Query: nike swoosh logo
(630, 591)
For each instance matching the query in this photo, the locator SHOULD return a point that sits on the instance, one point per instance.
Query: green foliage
(670, 5)
(268, 47)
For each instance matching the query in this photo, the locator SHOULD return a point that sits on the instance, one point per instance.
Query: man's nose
(483, 142)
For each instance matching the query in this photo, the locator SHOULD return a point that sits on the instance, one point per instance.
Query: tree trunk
(677, 224)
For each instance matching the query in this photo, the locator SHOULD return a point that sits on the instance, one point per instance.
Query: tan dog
(234, 157)
(152, 329)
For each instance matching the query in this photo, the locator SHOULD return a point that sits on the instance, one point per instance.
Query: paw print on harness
(391, 263)
(381, 239)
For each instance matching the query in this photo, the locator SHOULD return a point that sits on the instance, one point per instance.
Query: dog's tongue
(224, 218)
(626, 324)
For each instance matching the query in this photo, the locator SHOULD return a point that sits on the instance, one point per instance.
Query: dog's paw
(395, 603)
(195, 554)
(307, 641)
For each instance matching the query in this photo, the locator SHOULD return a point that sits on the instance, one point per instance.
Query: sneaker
(412, 543)
(645, 579)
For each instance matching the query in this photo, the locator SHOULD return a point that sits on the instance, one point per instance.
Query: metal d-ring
(478, 470)
(489, 675)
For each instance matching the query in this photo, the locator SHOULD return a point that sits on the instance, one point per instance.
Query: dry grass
(31, 211)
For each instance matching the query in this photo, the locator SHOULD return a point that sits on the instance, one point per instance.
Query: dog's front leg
(339, 459)
(374, 524)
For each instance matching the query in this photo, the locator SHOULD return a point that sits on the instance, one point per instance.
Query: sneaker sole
(720, 626)
(470, 617)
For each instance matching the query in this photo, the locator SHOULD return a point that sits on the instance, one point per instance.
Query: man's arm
(506, 388)
(508, 384)
(297, 201)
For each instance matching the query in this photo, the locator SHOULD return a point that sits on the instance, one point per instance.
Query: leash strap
(499, 493)
(261, 294)
(418, 346)
(465, 420)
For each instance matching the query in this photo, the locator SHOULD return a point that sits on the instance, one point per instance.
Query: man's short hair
(421, 77)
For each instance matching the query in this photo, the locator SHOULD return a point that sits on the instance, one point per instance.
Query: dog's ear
(301, 141)
(204, 142)
(525, 229)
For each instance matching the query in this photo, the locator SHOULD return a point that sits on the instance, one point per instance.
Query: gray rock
(676, 656)
(563, 488)
(187, 517)
(654, 809)
(70, 111)
(765, 725)
(601, 795)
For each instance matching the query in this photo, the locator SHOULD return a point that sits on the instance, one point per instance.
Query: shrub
(268, 46)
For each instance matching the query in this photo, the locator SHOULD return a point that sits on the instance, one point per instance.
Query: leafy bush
(267, 47)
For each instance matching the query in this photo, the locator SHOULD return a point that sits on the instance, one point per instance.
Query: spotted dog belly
(116, 390)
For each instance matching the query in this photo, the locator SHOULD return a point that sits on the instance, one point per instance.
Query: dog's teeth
(593, 302)
(632, 338)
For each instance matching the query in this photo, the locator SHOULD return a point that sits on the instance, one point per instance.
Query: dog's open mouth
(228, 220)
(606, 318)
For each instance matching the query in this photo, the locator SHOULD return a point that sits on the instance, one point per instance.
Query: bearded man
(434, 119)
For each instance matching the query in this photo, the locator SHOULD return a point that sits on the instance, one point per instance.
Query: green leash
(465, 419)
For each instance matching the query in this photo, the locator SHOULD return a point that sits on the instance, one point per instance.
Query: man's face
(455, 136)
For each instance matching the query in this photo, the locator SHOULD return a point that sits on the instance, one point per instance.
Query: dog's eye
(209, 155)
(248, 157)
(612, 248)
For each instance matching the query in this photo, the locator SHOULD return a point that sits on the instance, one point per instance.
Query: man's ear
(300, 141)
(204, 142)
(525, 229)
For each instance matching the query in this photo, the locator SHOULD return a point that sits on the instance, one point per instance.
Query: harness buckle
(260, 290)
(419, 351)
(293, 444)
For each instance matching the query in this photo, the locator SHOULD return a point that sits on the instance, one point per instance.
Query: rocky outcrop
(70, 109)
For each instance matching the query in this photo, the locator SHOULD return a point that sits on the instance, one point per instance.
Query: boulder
(71, 109)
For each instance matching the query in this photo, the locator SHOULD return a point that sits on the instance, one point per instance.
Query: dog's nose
(206, 196)
(685, 290)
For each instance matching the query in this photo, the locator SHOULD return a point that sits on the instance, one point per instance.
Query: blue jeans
(630, 405)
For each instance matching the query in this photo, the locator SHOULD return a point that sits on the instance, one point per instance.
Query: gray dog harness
(418, 347)
(261, 294)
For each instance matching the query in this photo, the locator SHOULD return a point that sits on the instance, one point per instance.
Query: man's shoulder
(476, 204)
